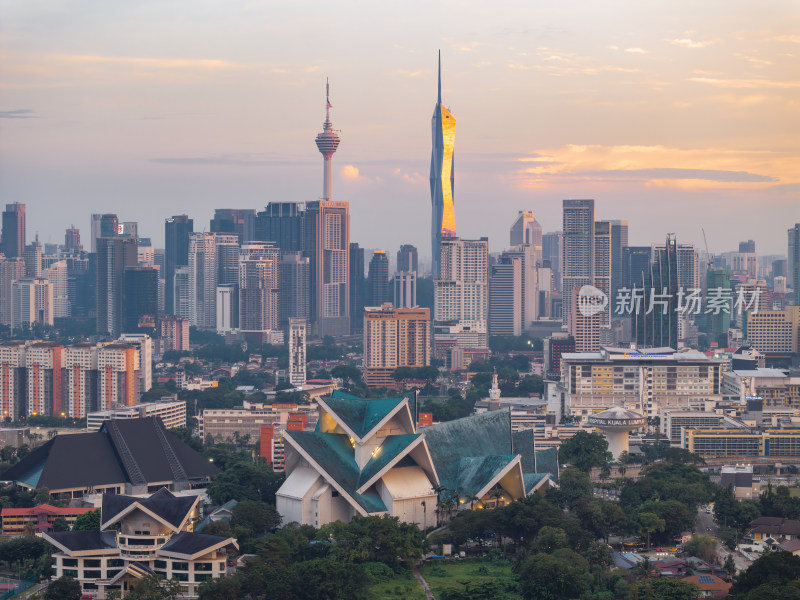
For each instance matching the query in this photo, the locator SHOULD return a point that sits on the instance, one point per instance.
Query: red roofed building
(42, 517)
(709, 586)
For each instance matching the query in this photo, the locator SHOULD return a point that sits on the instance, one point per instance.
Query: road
(707, 526)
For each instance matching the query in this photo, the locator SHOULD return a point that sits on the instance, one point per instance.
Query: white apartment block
(31, 302)
(297, 351)
(56, 274)
(202, 282)
(80, 377)
(144, 343)
(171, 412)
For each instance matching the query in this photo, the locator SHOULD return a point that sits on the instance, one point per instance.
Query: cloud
(20, 113)
(787, 39)
(658, 166)
(151, 63)
(407, 73)
(745, 83)
(235, 160)
(350, 172)
(690, 43)
(636, 50)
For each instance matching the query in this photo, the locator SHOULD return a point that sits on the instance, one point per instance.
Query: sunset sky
(675, 115)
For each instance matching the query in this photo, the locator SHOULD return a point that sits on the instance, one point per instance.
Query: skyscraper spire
(327, 143)
(440, 77)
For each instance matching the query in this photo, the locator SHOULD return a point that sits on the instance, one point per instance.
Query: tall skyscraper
(109, 226)
(282, 224)
(748, 246)
(658, 328)
(407, 258)
(114, 254)
(327, 143)
(794, 261)
(619, 241)
(94, 231)
(635, 264)
(295, 288)
(33, 258)
(297, 351)
(10, 270)
(31, 302)
(227, 258)
(141, 299)
(378, 279)
(14, 230)
(394, 337)
(688, 265)
(238, 221)
(405, 289)
(58, 276)
(527, 230)
(358, 289)
(505, 296)
(602, 268)
(176, 254)
(551, 255)
(72, 239)
(529, 284)
(327, 245)
(43, 362)
(203, 274)
(577, 256)
(443, 221)
(258, 287)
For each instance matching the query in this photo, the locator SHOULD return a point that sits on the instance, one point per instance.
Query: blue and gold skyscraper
(443, 221)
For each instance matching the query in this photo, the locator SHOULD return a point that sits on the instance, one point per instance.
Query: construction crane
(710, 257)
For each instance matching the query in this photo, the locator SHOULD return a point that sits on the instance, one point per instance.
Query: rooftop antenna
(440, 76)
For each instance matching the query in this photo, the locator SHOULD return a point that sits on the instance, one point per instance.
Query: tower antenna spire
(327, 142)
(440, 76)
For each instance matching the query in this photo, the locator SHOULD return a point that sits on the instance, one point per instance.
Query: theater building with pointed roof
(137, 537)
(367, 457)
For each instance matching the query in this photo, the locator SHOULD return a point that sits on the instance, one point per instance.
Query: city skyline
(641, 108)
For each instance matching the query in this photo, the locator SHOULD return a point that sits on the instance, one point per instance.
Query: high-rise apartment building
(407, 258)
(80, 379)
(114, 255)
(327, 245)
(43, 362)
(793, 262)
(176, 254)
(203, 280)
(258, 287)
(144, 344)
(237, 221)
(294, 294)
(443, 220)
(181, 293)
(378, 278)
(72, 240)
(227, 258)
(394, 337)
(14, 230)
(577, 258)
(358, 289)
(13, 379)
(33, 258)
(505, 296)
(173, 332)
(297, 351)
(58, 276)
(118, 376)
(461, 295)
(584, 325)
(527, 230)
(11, 269)
(405, 289)
(31, 302)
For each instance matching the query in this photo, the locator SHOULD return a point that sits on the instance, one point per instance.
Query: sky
(677, 116)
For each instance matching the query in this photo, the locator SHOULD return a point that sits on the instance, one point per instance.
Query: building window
(116, 562)
(203, 566)
(180, 576)
(160, 564)
(69, 562)
(71, 573)
(91, 574)
(91, 563)
(180, 566)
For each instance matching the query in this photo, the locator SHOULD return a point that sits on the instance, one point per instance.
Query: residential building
(297, 351)
(577, 260)
(58, 276)
(294, 294)
(394, 337)
(43, 363)
(505, 296)
(33, 258)
(10, 270)
(72, 239)
(258, 287)
(585, 322)
(114, 255)
(173, 332)
(81, 379)
(358, 289)
(13, 379)
(144, 344)
(226, 299)
(31, 302)
(118, 375)
(203, 280)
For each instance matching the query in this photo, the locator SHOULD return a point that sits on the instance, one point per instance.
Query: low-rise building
(171, 411)
(743, 443)
(41, 517)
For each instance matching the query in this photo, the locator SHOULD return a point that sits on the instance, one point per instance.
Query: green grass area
(403, 586)
(794, 492)
(459, 573)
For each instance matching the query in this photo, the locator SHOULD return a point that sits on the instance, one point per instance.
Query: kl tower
(327, 143)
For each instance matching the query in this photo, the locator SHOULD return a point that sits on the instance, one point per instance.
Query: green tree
(154, 587)
(585, 450)
(252, 518)
(773, 568)
(63, 588)
(703, 547)
(225, 588)
(667, 589)
(60, 524)
(650, 523)
(563, 574)
(574, 485)
(89, 521)
(327, 579)
(549, 539)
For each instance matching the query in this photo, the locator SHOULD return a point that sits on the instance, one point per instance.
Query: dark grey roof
(138, 451)
(78, 541)
(163, 503)
(191, 543)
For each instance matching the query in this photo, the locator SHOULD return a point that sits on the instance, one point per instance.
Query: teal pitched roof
(334, 454)
(391, 447)
(523, 445)
(547, 461)
(476, 472)
(532, 479)
(484, 435)
(359, 414)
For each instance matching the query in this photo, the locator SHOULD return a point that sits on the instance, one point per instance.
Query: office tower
(227, 259)
(748, 246)
(128, 229)
(602, 267)
(619, 241)
(203, 280)
(227, 308)
(43, 363)
(577, 258)
(443, 220)
(658, 328)
(461, 298)
(530, 281)
(297, 351)
(109, 226)
(719, 323)
(145, 253)
(144, 343)
(11, 269)
(405, 289)
(31, 302)
(173, 332)
(327, 143)
(688, 265)
(527, 230)
(258, 287)
(176, 254)
(14, 230)
(545, 287)
(793, 262)
(58, 276)
(294, 293)
(181, 293)
(141, 299)
(635, 265)
(33, 258)
(394, 337)
(584, 326)
(282, 224)
(551, 255)
(327, 245)
(80, 379)
(358, 289)
(407, 258)
(378, 278)
(505, 296)
(82, 283)
(94, 231)
(13, 400)
(114, 255)
(72, 240)
(118, 375)
(238, 221)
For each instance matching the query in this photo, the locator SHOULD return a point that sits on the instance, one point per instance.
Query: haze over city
(673, 116)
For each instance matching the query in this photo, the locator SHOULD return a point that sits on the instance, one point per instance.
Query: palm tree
(497, 493)
(472, 499)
